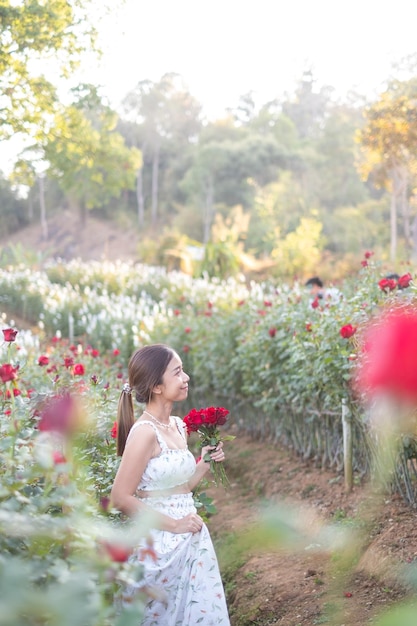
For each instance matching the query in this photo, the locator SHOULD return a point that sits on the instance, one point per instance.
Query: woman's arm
(140, 448)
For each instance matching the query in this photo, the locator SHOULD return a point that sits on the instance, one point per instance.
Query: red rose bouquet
(206, 423)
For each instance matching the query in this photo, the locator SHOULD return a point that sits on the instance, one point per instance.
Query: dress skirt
(186, 570)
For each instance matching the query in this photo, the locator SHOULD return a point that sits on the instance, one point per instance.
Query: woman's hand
(191, 523)
(216, 452)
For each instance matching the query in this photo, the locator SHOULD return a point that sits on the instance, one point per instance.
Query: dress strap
(159, 437)
(180, 426)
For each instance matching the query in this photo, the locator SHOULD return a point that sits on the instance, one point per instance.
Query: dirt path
(300, 581)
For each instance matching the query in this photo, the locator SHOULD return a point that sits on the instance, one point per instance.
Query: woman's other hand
(191, 523)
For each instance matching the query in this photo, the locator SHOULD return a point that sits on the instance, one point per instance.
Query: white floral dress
(186, 567)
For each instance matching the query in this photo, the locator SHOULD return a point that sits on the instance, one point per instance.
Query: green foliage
(33, 31)
(53, 567)
(86, 154)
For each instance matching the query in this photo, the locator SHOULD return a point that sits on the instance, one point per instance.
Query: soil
(68, 238)
(278, 580)
(295, 580)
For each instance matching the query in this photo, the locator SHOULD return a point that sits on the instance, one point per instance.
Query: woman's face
(175, 381)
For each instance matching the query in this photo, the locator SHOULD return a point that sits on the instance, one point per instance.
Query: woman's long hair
(146, 369)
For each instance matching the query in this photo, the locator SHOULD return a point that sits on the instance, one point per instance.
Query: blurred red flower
(347, 331)
(272, 331)
(387, 284)
(43, 360)
(79, 369)
(388, 360)
(59, 413)
(116, 551)
(113, 431)
(8, 372)
(315, 304)
(9, 334)
(58, 458)
(405, 280)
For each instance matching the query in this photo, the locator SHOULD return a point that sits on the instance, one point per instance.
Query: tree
(168, 118)
(85, 153)
(229, 163)
(33, 35)
(390, 141)
(308, 108)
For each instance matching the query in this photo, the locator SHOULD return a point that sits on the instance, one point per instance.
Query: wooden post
(70, 327)
(347, 446)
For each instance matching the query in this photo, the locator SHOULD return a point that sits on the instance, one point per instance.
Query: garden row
(279, 360)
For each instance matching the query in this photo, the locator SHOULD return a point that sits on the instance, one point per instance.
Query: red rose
(58, 458)
(116, 352)
(387, 284)
(347, 331)
(79, 369)
(193, 420)
(113, 431)
(95, 353)
(186, 349)
(61, 414)
(8, 372)
(104, 503)
(388, 361)
(315, 304)
(116, 551)
(68, 361)
(405, 280)
(368, 254)
(364, 263)
(187, 329)
(272, 331)
(9, 334)
(309, 327)
(43, 360)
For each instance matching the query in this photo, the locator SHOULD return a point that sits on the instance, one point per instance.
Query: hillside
(67, 239)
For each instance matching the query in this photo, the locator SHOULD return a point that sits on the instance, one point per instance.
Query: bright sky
(225, 48)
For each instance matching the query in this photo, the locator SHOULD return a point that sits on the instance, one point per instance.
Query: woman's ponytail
(125, 420)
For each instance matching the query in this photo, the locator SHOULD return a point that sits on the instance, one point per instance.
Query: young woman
(157, 473)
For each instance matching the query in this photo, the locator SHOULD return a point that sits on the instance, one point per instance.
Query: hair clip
(127, 388)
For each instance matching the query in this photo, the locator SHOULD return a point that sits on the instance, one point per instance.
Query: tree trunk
(393, 216)
(30, 206)
(414, 240)
(405, 208)
(155, 173)
(44, 223)
(208, 209)
(139, 198)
